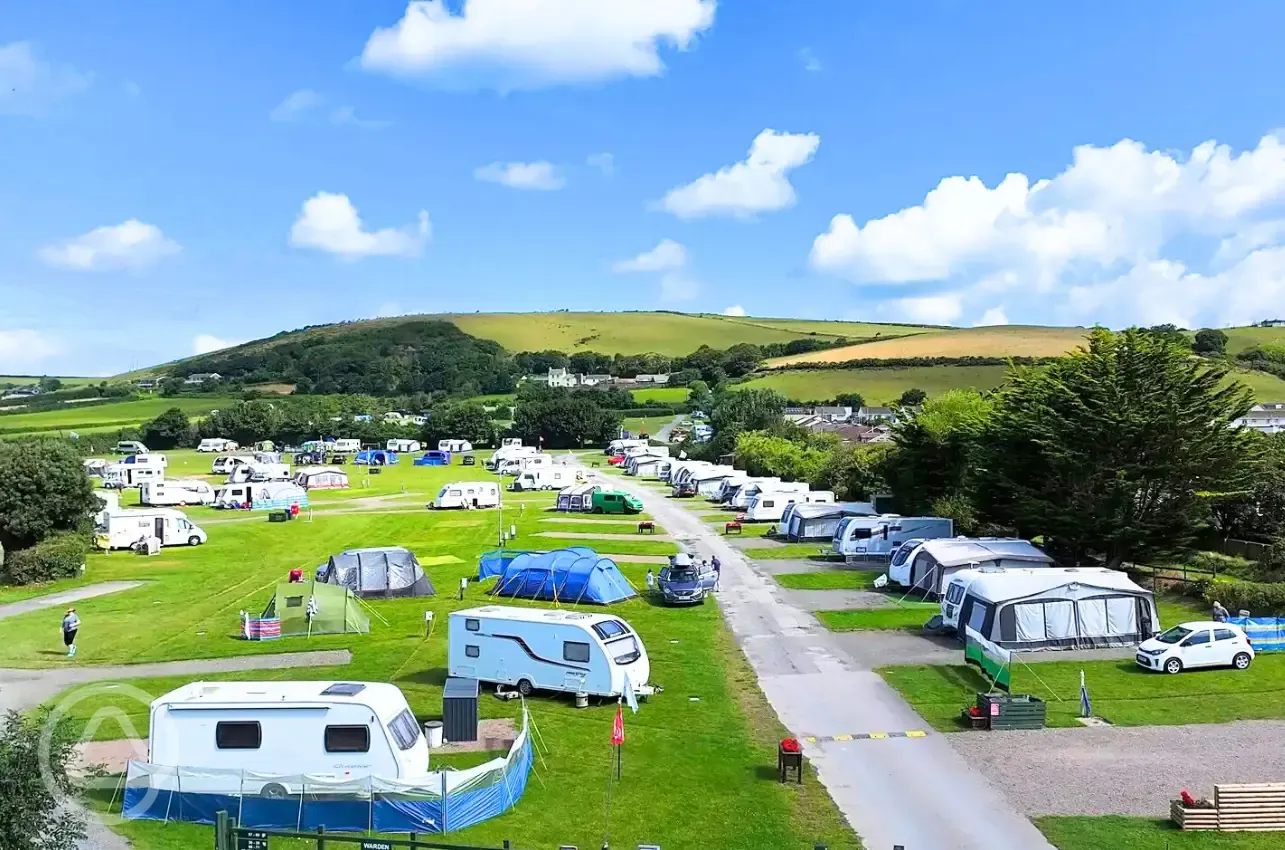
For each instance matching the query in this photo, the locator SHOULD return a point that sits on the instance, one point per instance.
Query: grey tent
(386, 573)
(818, 521)
(937, 560)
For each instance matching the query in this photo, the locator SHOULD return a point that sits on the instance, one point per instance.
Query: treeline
(1268, 358)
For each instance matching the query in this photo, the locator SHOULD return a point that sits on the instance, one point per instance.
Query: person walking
(718, 571)
(651, 581)
(70, 625)
(1220, 613)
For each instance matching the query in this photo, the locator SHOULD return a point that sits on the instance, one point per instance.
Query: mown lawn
(709, 739)
(877, 386)
(908, 616)
(837, 579)
(1125, 833)
(789, 551)
(665, 395)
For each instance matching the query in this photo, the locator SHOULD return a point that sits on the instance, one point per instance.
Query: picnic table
(647, 526)
(732, 526)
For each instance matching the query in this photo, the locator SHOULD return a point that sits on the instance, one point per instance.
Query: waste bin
(1012, 711)
(433, 733)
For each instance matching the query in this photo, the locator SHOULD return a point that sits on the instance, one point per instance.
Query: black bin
(459, 710)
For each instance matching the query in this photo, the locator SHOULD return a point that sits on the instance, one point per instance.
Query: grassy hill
(1005, 341)
(23, 380)
(111, 416)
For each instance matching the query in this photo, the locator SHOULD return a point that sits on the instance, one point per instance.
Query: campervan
(346, 447)
(224, 464)
(769, 505)
(119, 476)
(616, 447)
(217, 444)
(454, 446)
(875, 537)
(524, 463)
(403, 446)
(340, 731)
(467, 494)
(538, 649)
(124, 529)
(263, 496)
(544, 478)
(259, 472)
(183, 492)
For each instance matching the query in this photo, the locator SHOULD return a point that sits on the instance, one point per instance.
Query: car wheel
(1241, 661)
(273, 791)
(525, 687)
(1173, 665)
(193, 541)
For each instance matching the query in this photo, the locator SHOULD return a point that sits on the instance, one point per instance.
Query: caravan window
(575, 651)
(347, 739)
(609, 629)
(955, 593)
(624, 650)
(473, 625)
(237, 735)
(472, 651)
(405, 730)
(768, 503)
(294, 601)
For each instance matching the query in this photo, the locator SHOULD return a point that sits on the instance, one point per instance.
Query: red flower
(790, 745)
(974, 711)
(1187, 800)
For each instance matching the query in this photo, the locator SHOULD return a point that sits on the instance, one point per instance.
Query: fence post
(221, 831)
(321, 837)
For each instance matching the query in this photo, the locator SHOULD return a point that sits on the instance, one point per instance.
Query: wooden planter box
(1237, 808)
(1012, 711)
(1190, 819)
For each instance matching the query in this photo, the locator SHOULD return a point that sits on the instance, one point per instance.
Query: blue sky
(159, 192)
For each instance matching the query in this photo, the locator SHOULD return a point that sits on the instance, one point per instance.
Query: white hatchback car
(1198, 644)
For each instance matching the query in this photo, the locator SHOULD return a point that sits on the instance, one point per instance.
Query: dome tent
(387, 572)
(313, 608)
(564, 575)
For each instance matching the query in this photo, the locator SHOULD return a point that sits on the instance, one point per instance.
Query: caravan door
(158, 530)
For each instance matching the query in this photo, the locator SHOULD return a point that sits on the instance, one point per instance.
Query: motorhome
(217, 444)
(524, 463)
(467, 495)
(340, 731)
(507, 453)
(403, 446)
(875, 537)
(616, 447)
(538, 649)
(125, 529)
(346, 447)
(181, 492)
(769, 505)
(544, 478)
(454, 446)
(120, 476)
(262, 496)
(259, 472)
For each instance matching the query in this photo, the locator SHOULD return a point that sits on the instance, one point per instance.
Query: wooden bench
(733, 526)
(647, 526)
(1237, 808)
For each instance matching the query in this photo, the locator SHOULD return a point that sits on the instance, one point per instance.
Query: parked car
(681, 585)
(1194, 645)
(704, 569)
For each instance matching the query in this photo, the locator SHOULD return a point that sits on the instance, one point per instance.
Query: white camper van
(346, 447)
(467, 495)
(454, 446)
(120, 476)
(123, 529)
(544, 478)
(182, 492)
(403, 446)
(769, 506)
(336, 730)
(271, 493)
(226, 463)
(217, 444)
(539, 649)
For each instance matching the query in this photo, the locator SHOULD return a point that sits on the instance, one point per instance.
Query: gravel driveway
(1123, 771)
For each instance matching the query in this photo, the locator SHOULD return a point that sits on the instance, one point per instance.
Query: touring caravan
(271, 495)
(120, 476)
(875, 537)
(936, 561)
(643, 466)
(523, 463)
(345, 447)
(750, 490)
(467, 494)
(321, 478)
(259, 472)
(616, 447)
(183, 492)
(544, 478)
(124, 529)
(504, 454)
(819, 497)
(337, 730)
(769, 505)
(454, 446)
(217, 444)
(224, 464)
(710, 484)
(403, 446)
(803, 522)
(538, 649)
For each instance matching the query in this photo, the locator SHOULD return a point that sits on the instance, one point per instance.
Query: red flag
(618, 728)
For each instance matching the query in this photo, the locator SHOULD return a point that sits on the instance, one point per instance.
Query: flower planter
(1012, 711)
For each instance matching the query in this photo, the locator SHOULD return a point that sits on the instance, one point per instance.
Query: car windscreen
(1174, 635)
(682, 575)
(624, 650)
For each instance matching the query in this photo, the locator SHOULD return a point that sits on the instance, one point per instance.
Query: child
(70, 625)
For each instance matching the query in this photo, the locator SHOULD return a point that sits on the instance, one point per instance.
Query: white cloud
(604, 162)
(809, 60)
(521, 175)
(993, 316)
(941, 309)
(676, 287)
(23, 348)
(206, 343)
(734, 310)
(329, 222)
(29, 85)
(668, 255)
(129, 245)
(758, 184)
(518, 44)
(348, 115)
(296, 104)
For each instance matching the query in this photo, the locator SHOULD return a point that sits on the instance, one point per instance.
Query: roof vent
(343, 689)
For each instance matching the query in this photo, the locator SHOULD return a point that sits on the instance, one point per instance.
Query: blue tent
(434, 458)
(376, 457)
(564, 575)
(496, 562)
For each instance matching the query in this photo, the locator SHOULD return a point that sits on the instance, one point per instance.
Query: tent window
(294, 601)
(575, 651)
(978, 617)
(347, 739)
(473, 625)
(232, 735)
(472, 651)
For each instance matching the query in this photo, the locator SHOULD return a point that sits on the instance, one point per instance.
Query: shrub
(1220, 564)
(1261, 599)
(59, 556)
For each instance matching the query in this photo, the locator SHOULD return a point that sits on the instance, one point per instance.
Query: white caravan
(217, 444)
(124, 529)
(225, 464)
(119, 476)
(248, 495)
(454, 446)
(752, 489)
(341, 731)
(878, 537)
(259, 472)
(544, 478)
(507, 453)
(538, 649)
(644, 466)
(819, 497)
(346, 447)
(729, 486)
(769, 505)
(644, 449)
(710, 484)
(267, 458)
(403, 446)
(511, 443)
(616, 447)
(524, 463)
(182, 492)
(467, 494)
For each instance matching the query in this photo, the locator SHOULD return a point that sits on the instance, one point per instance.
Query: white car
(1198, 644)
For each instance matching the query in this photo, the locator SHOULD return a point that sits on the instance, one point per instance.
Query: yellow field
(877, 386)
(1006, 341)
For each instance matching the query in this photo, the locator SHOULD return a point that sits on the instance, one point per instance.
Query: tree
(564, 421)
(853, 400)
(1109, 453)
(699, 396)
(169, 430)
(762, 454)
(43, 489)
(50, 385)
(743, 410)
(464, 421)
(1256, 512)
(855, 472)
(1210, 341)
(936, 451)
(32, 815)
(912, 397)
(1171, 334)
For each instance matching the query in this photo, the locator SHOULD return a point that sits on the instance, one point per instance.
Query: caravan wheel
(525, 687)
(273, 791)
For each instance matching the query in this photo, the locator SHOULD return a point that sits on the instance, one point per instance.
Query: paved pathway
(66, 597)
(917, 792)
(662, 434)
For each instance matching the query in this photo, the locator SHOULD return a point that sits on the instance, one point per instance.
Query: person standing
(70, 625)
(718, 571)
(651, 581)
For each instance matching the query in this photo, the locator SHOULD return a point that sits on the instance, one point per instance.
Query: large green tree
(743, 410)
(936, 451)
(465, 421)
(1210, 341)
(33, 815)
(43, 489)
(169, 430)
(564, 421)
(1109, 452)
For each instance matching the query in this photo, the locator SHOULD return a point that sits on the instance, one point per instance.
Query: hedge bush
(60, 556)
(1260, 599)
(1220, 564)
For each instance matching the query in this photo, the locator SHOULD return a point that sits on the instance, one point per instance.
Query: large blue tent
(564, 575)
(376, 457)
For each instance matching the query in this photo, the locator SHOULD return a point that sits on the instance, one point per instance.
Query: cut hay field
(876, 386)
(665, 395)
(1005, 341)
(104, 417)
(23, 380)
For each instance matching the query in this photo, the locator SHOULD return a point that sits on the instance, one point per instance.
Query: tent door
(1145, 627)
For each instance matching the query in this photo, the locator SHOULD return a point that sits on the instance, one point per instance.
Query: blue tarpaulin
(1267, 634)
(564, 575)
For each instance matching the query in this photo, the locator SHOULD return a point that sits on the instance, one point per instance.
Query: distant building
(146, 384)
(1274, 323)
(1266, 418)
(834, 414)
(561, 378)
(203, 377)
(22, 392)
(875, 415)
(594, 380)
(652, 379)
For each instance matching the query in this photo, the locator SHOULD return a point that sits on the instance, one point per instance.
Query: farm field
(1000, 341)
(1238, 339)
(877, 386)
(22, 380)
(851, 330)
(1266, 387)
(710, 737)
(104, 417)
(665, 395)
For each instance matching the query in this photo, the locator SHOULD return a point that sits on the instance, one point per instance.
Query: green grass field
(830, 580)
(665, 395)
(1123, 833)
(909, 615)
(709, 739)
(102, 417)
(1238, 339)
(1266, 387)
(649, 425)
(788, 551)
(877, 386)
(23, 380)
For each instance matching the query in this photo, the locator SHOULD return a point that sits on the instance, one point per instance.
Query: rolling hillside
(1005, 341)
(111, 416)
